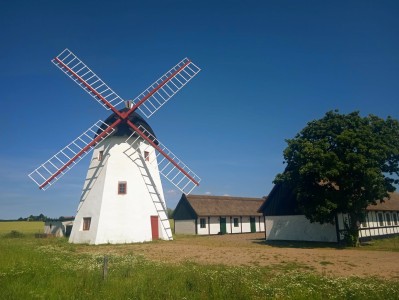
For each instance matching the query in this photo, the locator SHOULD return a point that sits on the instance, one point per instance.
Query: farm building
(59, 227)
(283, 220)
(206, 215)
(382, 220)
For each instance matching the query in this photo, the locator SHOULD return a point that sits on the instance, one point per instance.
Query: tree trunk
(353, 230)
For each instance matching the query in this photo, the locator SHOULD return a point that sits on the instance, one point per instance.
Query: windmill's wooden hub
(123, 129)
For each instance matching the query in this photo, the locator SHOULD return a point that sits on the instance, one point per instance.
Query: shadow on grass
(14, 234)
(298, 244)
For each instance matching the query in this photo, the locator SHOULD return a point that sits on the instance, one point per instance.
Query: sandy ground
(251, 250)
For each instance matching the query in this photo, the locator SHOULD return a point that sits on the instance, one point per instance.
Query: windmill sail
(169, 165)
(148, 102)
(157, 94)
(54, 168)
(79, 72)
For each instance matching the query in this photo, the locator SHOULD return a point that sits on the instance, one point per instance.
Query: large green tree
(341, 164)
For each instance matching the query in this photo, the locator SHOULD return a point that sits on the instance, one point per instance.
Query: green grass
(34, 268)
(172, 225)
(388, 244)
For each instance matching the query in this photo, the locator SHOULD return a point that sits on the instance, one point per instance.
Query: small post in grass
(105, 267)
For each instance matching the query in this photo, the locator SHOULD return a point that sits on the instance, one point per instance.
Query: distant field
(23, 226)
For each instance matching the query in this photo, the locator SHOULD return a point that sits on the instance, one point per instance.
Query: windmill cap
(123, 129)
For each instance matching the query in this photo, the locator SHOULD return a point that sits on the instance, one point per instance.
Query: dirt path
(250, 250)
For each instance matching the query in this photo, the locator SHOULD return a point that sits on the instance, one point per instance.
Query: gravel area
(251, 250)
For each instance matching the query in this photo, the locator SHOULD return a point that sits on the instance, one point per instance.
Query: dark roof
(123, 129)
(282, 202)
(205, 205)
(389, 204)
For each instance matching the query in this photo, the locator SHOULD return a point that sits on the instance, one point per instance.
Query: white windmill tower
(122, 199)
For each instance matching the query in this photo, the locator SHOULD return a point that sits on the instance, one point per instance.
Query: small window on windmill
(86, 224)
(146, 156)
(202, 223)
(235, 220)
(122, 187)
(100, 154)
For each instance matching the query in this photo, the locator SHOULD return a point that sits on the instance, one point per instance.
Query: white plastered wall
(298, 228)
(212, 225)
(117, 218)
(185, 226)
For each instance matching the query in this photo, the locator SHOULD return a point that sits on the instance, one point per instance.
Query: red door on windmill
(123, 190)
(155, 227)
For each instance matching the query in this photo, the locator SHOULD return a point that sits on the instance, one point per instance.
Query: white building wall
(185, 226)
(212, 225)
(260, 224)
(298, 228)
(234, 229)
(54, 228)
(117, 218)
(57, 228)
(246, 225)
(205, 230)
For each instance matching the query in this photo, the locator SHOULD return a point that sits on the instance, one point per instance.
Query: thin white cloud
(171, 192)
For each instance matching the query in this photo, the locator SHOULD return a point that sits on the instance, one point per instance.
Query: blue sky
(268, 67)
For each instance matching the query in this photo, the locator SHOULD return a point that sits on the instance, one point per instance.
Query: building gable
(280, 202)
(183, 210)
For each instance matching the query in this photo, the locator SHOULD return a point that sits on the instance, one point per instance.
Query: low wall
(185, 226)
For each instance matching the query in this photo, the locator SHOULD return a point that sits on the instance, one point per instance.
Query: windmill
(122, 199)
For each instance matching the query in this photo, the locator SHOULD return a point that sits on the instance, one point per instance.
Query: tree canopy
(341, 164)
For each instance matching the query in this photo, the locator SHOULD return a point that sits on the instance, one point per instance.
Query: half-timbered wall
(376, 224)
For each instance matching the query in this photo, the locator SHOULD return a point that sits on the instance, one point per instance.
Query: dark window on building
(381, 219)
(395, 219)
(146, 156)
(364, 223)
(122, 187)
(86, 223)
(202, 223)
(388, 217)
(235, 221)
(100, 155)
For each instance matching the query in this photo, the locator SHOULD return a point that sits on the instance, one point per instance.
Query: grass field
(23, 227)
(51, 268)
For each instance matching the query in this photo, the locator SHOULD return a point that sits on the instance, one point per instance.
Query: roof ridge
(223, 197)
